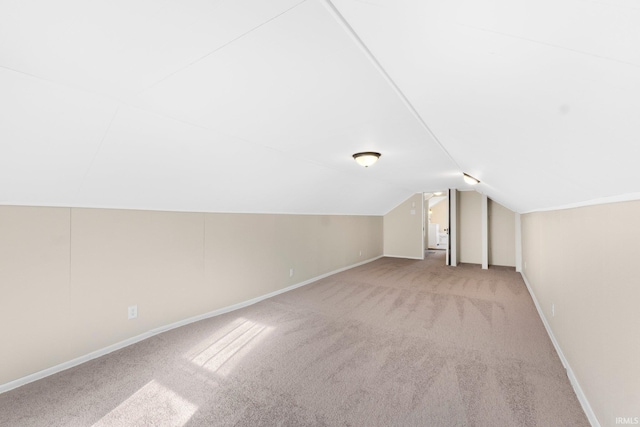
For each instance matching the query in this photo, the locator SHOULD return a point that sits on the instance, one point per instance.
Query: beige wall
(501, 238)
(425, 224)
(36, 320)
(440, 214)
(67, 276)
(403, 236)
(470, 227)
(590, 272)
(502, 235)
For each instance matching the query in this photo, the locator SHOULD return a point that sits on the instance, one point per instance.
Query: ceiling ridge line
(168, 76)
(351, 32)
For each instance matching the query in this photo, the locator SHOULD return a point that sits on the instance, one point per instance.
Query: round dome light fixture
(366, 158)
(470, 180)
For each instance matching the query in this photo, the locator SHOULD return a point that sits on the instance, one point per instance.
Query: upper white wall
(252, 106)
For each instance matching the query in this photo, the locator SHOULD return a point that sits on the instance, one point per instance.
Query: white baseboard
(403, 257)
(117, 346)
(586, 407)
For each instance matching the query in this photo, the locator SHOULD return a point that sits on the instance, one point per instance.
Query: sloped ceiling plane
(257, 106)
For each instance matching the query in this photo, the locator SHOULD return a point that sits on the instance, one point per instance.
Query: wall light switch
(413, 211)
(291, 272)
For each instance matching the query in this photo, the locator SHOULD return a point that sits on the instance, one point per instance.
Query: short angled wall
(68, 275)
(584, 402)
(502, 235)
(403, 229)
(470, 227)
(581, 267)
(501, 239)
(117, 346)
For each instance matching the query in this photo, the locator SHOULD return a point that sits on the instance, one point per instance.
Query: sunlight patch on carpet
(153, 404)
(221, 354)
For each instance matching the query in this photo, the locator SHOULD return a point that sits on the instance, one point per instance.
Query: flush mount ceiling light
(470, 180)
(366, 158)
(438, 193)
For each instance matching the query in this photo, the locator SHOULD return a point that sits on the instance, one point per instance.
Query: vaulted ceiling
(257, 106)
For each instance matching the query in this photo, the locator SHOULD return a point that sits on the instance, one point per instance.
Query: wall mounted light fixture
(366, 158)
(470, 180)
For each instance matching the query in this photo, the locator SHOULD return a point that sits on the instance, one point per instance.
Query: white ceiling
(257, 106)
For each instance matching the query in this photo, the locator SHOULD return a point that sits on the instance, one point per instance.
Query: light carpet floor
(392, 343)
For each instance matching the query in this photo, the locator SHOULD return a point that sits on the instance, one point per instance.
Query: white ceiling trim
(630, 197)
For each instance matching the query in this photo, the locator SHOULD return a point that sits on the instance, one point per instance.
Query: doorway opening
(436, 227)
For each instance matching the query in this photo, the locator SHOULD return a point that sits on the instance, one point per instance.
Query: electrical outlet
(553, 310)
(291, 272)
(132, 312)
